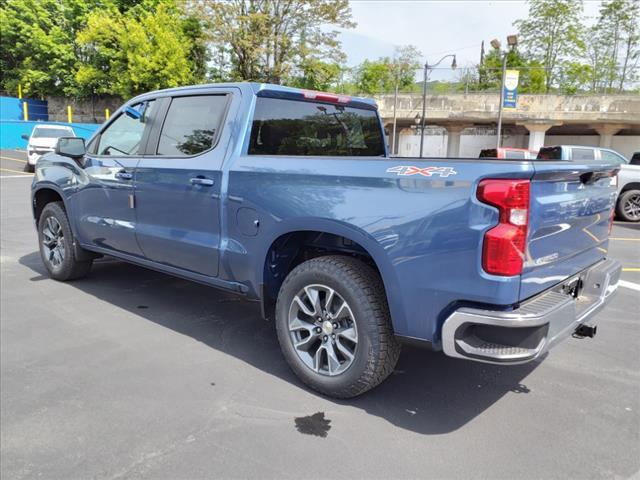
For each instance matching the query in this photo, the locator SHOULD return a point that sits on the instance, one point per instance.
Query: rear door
(178, 183)
(571, 205)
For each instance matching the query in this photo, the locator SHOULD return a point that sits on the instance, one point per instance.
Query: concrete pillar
(606, 133)
(537, 132)
(454, 132)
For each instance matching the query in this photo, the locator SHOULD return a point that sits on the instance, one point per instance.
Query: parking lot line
(13, 159)
(631, 285)
(631, 269)
(625, 239)
(15, 171)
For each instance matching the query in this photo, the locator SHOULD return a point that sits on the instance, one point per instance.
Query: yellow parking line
(14, 171)
(631, 269)
(624, 239)
(13, 159)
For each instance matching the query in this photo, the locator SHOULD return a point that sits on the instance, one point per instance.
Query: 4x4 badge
(405, 170)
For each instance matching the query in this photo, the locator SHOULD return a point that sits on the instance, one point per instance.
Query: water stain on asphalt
(143, 307)
(314, 424)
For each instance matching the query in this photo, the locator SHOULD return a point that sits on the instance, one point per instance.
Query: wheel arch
(297, 241)
(630, 186)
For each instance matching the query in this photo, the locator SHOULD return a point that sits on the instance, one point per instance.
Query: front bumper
(525, 333)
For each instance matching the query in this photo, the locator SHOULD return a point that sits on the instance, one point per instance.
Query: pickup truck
(628, 178)
(289, 198)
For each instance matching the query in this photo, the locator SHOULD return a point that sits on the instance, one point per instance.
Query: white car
(43, 140)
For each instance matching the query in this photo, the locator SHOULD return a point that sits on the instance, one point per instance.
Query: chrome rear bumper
(523, 334)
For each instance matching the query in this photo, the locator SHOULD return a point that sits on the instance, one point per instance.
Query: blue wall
(11, 109)
(11, 131)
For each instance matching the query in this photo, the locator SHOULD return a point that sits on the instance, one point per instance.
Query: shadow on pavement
(428, 393)
(634, 226)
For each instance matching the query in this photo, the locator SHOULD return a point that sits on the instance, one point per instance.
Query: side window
(191, 124)
(583, 154)
(290, 127)
(124, 135)
(611, 157)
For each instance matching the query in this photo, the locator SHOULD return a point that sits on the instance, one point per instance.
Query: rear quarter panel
(424, 233)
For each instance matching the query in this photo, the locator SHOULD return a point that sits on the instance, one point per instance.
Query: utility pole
(424, 94)
(395, 106)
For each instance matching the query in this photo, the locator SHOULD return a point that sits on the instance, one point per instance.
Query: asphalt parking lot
(134, 374)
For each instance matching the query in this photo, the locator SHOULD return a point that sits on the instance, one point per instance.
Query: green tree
(552, 34)
(382, 75)
(266, 40)
(37, 45)
(133, 52)
(531, 77)
(616, 42)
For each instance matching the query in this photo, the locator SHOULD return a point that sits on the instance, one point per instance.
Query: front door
(178, 185)
(105, 202)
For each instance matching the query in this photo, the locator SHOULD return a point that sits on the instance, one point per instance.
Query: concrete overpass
(536, 116)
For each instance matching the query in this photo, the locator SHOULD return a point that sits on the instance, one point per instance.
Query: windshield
(44, 132)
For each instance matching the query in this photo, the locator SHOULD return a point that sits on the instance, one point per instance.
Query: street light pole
(504, 73)
(395, 106)
(512, 41)
(424, 94)
(424, 106)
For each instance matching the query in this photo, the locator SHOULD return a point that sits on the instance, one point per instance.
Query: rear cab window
(292, 127)
(582, 154)
(550, 153)
(514, 154)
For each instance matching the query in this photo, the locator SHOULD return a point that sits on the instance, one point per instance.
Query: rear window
(289, 127)
(583, 154)
(550, 153)
(512, 154)
(44, 132)
(489, 153)
(191, 124)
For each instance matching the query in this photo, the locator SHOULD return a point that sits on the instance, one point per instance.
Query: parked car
(580, 153)
(289, 198)
(507, 152)
(628, 181)
(43, 140)
(628, 203)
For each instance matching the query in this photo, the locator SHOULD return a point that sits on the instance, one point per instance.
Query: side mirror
(72, 147)
(25, 137)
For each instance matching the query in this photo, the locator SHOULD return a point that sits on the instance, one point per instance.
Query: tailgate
(571, 205)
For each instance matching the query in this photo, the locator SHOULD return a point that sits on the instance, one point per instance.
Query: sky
(436, 27)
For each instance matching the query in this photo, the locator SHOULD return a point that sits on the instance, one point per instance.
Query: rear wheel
(334, 326)
(57, 245)
(628, 207)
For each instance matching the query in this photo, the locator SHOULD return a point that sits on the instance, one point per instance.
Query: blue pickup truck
(290, 199)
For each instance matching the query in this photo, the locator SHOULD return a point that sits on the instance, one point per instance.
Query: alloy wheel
(323, 330)
(53, 242)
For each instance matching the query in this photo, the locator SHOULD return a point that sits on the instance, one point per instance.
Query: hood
(43, 142)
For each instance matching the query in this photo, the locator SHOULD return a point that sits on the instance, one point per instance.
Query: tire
(628, 206)
(360, 328)
(57, 245)
(29, 168)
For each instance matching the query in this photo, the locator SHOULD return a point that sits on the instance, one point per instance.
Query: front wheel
(334, 326)
(56, 245)
(628, 207)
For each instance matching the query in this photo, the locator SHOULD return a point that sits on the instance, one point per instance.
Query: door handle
(205, 182)
(122, 175)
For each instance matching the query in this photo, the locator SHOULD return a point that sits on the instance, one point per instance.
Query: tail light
(504, 245)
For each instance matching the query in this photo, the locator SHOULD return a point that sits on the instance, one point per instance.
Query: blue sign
(510, 90)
